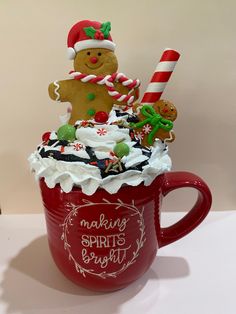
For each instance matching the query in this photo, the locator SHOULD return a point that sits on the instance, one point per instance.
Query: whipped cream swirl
(84, 162)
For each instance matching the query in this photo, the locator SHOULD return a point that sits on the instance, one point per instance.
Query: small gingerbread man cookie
(155, 122)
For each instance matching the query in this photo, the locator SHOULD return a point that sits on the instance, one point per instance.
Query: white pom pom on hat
(79, 39)
(71, 53)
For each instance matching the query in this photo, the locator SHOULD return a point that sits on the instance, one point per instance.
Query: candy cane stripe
(86, 79)
(170, 55)
(127, 82)
(108, 81)
(161, 76)
(131, 100)
(111, 88)
(165, 66)
(109, 84)
(111, 93)
(150, 98)
(116, 97)
(156, 87)
(118, 75)
(122, 98)
(97, 79)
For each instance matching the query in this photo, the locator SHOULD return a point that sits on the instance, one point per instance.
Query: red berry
(101, 117)
(46, 136)
(99, 35)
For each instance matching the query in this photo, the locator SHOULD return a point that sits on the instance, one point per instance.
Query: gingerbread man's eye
(88, 53)
(99, 54)
(172, 109)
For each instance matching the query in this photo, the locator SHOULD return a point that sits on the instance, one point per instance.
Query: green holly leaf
(105, 29)
(90, 31)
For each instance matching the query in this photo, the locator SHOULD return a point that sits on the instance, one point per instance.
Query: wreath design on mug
(68, 222)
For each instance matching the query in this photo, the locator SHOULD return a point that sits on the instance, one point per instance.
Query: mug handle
(176, 180)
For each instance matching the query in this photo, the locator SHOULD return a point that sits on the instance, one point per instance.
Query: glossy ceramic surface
(104, 242)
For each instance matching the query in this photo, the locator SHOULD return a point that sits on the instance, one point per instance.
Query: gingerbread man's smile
(94, 67)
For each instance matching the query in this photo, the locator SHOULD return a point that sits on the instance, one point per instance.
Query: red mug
(106, 241)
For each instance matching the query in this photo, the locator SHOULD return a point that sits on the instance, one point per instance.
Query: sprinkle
(113, 165)
(108, 167)
(120, 167)
(53, 145)
(93, 163)
(101, 132)
(78, 146)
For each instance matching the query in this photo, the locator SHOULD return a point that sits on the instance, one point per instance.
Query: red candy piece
(46, 136)
(101, 117)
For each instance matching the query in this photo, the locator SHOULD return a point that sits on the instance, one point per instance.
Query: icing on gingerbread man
(94, 85)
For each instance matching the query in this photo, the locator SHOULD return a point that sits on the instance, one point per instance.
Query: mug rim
(100, 189)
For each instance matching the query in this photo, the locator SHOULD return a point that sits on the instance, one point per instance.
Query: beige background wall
(33, 53)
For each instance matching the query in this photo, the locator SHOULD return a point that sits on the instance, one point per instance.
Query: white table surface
(195, 275)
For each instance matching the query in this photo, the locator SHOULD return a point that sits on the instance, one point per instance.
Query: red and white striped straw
(160, 77)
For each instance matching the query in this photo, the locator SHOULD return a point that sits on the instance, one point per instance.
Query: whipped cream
(84, 162)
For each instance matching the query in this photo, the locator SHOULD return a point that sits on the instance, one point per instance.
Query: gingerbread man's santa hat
(89, 34)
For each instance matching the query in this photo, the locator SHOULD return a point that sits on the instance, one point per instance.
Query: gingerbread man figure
(155, 122)
(94, 85)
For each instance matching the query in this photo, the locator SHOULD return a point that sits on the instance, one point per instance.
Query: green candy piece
(66, 133)
(91, 96)
(91, 112)
(121, 150)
